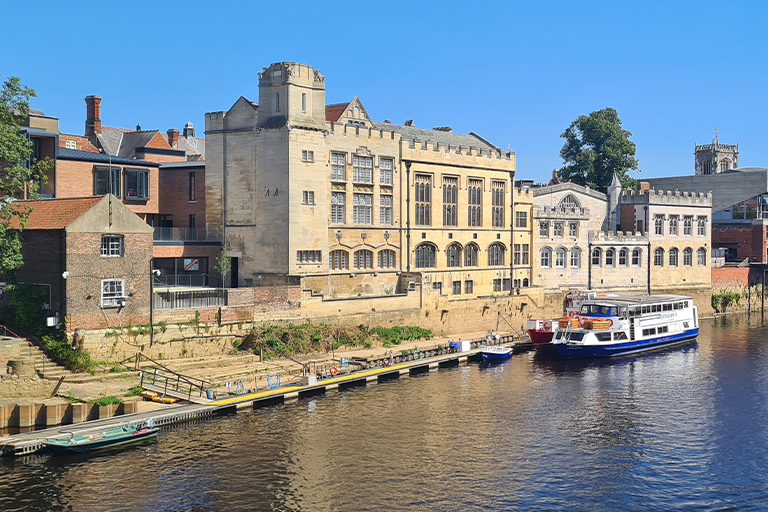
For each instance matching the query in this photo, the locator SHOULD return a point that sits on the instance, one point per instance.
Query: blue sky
(515, 72)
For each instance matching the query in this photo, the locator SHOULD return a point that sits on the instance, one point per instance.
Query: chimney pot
(409, 122)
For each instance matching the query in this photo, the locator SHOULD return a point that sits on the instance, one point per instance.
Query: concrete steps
(44, 367)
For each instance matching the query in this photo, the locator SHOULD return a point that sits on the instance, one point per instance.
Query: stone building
(92, 255)
(715, 158)
(323, 193)
(586, 239)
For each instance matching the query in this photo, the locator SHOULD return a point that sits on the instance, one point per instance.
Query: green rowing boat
(101, 440)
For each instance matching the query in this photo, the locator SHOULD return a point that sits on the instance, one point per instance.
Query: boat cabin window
(558, 335)
(634, 311)
(646, 309)
(575, 336)
(603, 336)
(667, 307)
(685, 325)
(676, 305)
(663, 329)
(649, 332)
(623, 311)
(619, 336)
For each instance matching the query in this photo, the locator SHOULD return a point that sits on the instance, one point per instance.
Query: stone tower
(716, 158)
(614, 204)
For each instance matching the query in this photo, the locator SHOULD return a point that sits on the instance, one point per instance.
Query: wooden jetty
(374, 370)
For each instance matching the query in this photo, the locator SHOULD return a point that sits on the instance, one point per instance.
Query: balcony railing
(187, 235)
(171, 299)
(188, 280)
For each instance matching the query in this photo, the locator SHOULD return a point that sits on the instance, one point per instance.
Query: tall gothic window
(546, 257)
(636, 257)
(658, 257)
(575, 258)
(688, 257)
(673, 257)
(701, 255)
(450, 200)
(423, 199)
(560, 258)
(338, 167)
(705, 167)
(610, 255)
(470, 255)
(475, 200)
(658, 222)
(425, 256)
(496, 254)
(497, 196)
(338, 200)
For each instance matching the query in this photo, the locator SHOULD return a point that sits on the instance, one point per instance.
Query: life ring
(582, 321)
(610, 322)
(334, 371)
(547, 325)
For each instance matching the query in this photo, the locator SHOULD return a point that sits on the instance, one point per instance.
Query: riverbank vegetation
(307, 338)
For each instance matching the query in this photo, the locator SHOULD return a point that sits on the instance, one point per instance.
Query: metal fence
(182, 280)
(187, 235)
(170, 299)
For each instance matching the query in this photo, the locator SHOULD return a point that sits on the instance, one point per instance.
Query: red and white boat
(542, 331)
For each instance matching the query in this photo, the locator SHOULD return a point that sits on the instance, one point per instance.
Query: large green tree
(596, 147)
(20, 174)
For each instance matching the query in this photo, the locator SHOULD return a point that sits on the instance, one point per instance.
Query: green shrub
(134, 391)
(107, 400)
(63, 353)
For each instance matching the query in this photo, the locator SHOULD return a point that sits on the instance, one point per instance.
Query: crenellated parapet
(617, 238)
(667, 197)
(438, 147)
(362, 132)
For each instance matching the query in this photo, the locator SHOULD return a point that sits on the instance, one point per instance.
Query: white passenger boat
(627, 325)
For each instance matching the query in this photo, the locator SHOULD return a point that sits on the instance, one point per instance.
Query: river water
(685, 429)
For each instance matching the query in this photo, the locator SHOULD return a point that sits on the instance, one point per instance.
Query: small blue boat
(495, 353)
(101, 440)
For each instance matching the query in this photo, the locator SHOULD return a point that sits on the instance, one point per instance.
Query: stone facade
(715, 158)
(347, 203)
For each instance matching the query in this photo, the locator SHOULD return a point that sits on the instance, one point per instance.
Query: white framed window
(307, 155)
(308, 197)
(363, 259)
(673, 252)
(658, 257)
(545, 257)
(337, 260)
(136, 183)
(385, 171)
(338, 207)
(338, 167)
(112, 246)
(362, 169)
(623, 258)
(688, 257)
(71, 144)
(701, 255)
(308, 256)
(575, 258)
(385, 210)
(112, 292)
(610, 255)
(702, 226)
(361, 208)
(560, 258)
(597, 256)
(387, 258)
(636, 257)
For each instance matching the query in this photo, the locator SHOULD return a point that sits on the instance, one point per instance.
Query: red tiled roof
(333, 112)
(54, 213)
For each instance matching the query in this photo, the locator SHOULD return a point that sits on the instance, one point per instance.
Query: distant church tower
(716, 158)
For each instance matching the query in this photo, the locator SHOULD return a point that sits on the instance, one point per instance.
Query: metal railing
(162, 377)
(187, 235)
(170, 299)
(182, 280)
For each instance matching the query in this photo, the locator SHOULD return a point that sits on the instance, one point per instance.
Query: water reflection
(674, 430)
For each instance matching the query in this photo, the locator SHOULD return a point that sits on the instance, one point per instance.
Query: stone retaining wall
(42, 415)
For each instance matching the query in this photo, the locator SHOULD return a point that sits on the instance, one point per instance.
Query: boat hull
(578, 351)
(542, 340)
(83, 444)
(497, 355)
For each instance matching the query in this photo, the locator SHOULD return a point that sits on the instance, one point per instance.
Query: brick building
(93, 256)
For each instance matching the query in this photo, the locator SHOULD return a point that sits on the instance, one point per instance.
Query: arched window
(636, 257)
(425, 256)
(575, 257)
(725, 165)
(569, 201)
(688, 257)
(453, 255)
(363, 259)
(387, 258)
(673, 252)
(706, 169)
(338, 260)
(525, 282)
(546, 257)
(623, 258)
(560, 257)
(610, 255)
(701, 256)
(658, 257)
(496, 254)
(597, 257)
(470, 255)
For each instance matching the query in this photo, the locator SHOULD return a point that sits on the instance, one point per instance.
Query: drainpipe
(408, 215)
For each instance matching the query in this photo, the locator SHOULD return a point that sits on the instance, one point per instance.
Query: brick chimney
(93, 116)
(173, 138)
(408, 122)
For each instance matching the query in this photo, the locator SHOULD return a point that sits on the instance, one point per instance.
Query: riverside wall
(205, 332)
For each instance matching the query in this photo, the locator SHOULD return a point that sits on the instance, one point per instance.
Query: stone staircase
(45, 368)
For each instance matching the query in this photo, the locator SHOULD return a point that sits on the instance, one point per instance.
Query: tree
(596, 147)
(20, 174)
(223, 265)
